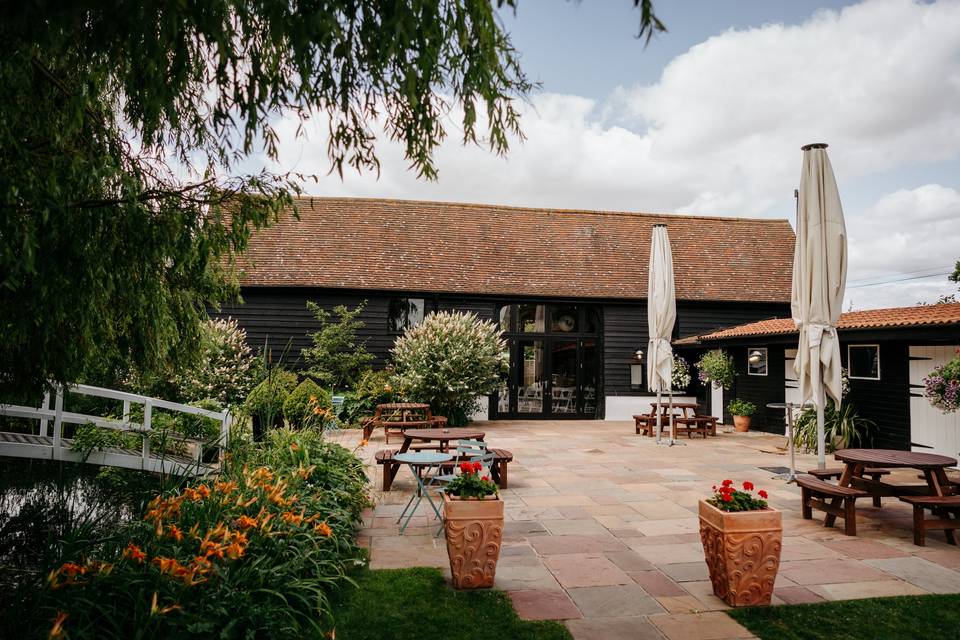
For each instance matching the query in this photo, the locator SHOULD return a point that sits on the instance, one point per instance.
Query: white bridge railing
(54, 446)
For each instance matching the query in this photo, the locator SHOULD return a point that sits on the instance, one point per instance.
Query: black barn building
(568, 287)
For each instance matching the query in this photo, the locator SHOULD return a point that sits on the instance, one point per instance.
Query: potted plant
(741, 410)
(943, 386)
(473, 525)
(716, 367)
(741, 537)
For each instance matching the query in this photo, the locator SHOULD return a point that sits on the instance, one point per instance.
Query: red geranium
(728, 498)
(762, 494)
(727, 483)
(747, 485)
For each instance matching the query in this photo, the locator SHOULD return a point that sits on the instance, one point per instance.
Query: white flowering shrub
(448, 360)
(226, 370)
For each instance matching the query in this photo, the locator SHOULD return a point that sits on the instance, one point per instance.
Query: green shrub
(841, 429)
(307, 405)
(255, 554)
(741, 408)
(373, 388)
(226, 368)
(265, 402)
(336, 358)
(449, 360)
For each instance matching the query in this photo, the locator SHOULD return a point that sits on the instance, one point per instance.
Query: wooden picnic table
(687, 420)
(397, 417)
(932, 466)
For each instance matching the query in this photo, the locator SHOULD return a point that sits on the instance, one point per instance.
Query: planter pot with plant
(741, 410)
(473, 525)
(741, 537)
(942, 386)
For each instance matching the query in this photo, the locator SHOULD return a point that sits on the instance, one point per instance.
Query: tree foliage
(121, 124)
(336, 358)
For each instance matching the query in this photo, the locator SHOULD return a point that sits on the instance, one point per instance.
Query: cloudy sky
(709, 119)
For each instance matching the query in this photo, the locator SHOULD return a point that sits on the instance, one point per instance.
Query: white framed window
(863, 361)
(757, 361)
(404, 313)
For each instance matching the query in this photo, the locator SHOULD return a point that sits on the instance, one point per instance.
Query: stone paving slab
(603, 533)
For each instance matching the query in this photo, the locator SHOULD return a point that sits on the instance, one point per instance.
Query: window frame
(850, 375)
(766, 361)
(390, 302)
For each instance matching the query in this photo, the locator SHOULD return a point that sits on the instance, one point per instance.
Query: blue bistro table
(421, 464)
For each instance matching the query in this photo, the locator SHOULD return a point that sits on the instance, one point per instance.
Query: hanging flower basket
(943, 386)
(680, 376)
(716, 368)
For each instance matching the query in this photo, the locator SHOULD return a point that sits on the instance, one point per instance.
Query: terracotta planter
(474, 531)
(741, 423)
(742, 551)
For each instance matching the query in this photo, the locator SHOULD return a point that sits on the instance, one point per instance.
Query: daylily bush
(256, 552)
(449, 360)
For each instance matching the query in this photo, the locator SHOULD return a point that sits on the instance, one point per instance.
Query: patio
(601, 531)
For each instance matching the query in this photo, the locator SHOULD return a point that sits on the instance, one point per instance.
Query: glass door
(563, 377)
(530, 379)
(589, 377)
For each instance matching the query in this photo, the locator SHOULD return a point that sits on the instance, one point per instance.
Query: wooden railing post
(147, 420)
(126, 411)
(58, 424)
(44, 422)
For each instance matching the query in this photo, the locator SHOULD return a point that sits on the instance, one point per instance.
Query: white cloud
(720, 132)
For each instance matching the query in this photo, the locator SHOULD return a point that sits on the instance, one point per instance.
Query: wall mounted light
(755, 357)
(636, 369)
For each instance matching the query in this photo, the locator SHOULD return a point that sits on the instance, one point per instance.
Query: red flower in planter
(762, 494)
(466, 467)
(747, 485)
(477, 466)
(727, 497)
(727, 483)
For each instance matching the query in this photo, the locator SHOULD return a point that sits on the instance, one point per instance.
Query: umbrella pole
(821, 437)
(673, 427)
(659, 416)
(793, 463)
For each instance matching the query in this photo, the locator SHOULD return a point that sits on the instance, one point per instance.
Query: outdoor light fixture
(756, 362)
(755, 357)
(636, 369)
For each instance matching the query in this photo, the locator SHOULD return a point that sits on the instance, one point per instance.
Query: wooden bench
(946, 512)
(815, 494)
(835, 473)
(704, 425)
(501, 459)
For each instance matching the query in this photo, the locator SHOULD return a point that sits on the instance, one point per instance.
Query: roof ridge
(603, 212)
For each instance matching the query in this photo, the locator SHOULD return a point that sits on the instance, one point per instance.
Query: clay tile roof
(925, 316)
(356, 243)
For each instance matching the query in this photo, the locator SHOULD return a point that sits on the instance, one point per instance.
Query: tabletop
(403, 405)
(444, 434)
(423, 457)
(894, 458)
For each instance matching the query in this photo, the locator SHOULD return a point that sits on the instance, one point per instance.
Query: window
(506, 318)
(757, 361)
(532, 318)
(404, 313)
(863, 361)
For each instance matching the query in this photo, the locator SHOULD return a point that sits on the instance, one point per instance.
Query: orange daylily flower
(305, 472)
(363, 442)
(155, 610)
(245, 522)
(203, 490)
(57, 630)
(134, 553)
(225, 487)
(294, 446)
(168, 565)
(235, 550)
(175, 533)
(324, 529)
(291, 517)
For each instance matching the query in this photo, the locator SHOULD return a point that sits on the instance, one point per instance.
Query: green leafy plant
(842, 428)
(226, 368)
(716, 367)
(373, 387)
(470, 484)
(727, 498)
(307, 405)
(739, 407)
(448, 360)
(265, 402)
(336, 358)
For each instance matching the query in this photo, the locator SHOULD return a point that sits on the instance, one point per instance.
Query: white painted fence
(54, 446)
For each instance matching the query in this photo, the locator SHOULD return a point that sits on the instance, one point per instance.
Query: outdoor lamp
(636, 369)
(755, 357)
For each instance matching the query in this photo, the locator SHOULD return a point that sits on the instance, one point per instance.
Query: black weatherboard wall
(760, 390)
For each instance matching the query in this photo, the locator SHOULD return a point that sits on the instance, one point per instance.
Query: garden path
(601, 531)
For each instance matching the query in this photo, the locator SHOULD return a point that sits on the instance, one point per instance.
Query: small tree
(226, 370)
(336, 358)
(448, 360)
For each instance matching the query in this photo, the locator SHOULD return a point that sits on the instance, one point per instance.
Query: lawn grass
(408, 604)
(899, 618)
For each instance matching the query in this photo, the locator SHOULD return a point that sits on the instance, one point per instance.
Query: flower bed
(253, 553)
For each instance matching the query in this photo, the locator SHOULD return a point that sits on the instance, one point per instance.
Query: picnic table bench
(946, 512)
(836, 501)
(396, 417)
(685, 422)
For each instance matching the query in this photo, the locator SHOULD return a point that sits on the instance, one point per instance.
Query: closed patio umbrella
(819, 280)
(661, 315)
